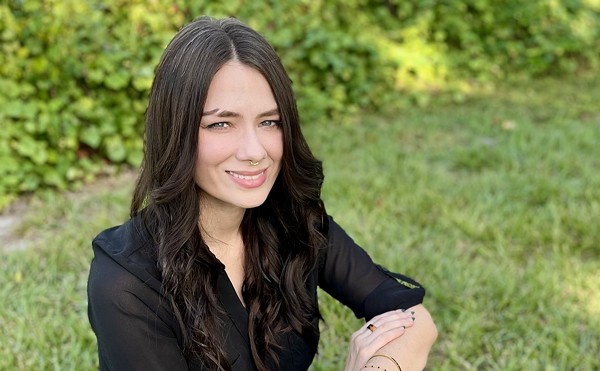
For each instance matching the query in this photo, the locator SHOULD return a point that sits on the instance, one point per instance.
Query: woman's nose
(250, 146)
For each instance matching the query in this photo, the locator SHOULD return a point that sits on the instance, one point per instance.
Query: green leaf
(91, 136)
(117, 80)
(134, 158)
(115, 149)
(19, 109)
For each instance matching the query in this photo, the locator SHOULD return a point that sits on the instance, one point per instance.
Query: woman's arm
(411, 349)
(348, 274)
(393, 340)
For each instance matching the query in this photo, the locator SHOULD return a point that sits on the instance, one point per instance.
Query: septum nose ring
(252, 163)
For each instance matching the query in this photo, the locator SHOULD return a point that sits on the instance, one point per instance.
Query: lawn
(492, 204)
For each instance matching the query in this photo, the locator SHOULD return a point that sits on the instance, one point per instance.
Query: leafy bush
(73, 82)
(75, 76)
(496, 38)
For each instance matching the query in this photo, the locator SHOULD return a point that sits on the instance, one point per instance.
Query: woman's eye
(271, 123)
(218, 125)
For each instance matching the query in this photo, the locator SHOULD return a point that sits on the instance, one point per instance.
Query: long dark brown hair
(281, 237)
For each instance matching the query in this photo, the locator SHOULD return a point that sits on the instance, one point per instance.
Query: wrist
(382, 362)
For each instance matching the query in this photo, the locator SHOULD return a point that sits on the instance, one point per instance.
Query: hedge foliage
(75, 75)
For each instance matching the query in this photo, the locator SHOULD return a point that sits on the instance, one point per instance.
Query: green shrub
(73, 82)
(75, 75)
(497, 38)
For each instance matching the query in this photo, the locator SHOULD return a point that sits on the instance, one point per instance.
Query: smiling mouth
(246, 177)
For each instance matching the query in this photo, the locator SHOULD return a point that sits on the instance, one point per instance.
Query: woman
(217, 268)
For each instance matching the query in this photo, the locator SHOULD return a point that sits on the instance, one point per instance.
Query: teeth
(246, 177)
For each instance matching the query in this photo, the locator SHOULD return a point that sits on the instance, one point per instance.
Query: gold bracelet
(371, 366)
(388, 357)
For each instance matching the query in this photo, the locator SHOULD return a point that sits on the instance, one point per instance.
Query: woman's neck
(219, 222)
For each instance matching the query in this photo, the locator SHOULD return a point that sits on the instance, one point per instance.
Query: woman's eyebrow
(225, 113)
(272, 112)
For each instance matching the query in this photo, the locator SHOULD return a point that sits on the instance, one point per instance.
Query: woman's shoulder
(124, 287)
(125, 254)
(124, 239)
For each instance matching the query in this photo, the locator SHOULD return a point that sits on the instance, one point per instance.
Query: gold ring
(371, 327)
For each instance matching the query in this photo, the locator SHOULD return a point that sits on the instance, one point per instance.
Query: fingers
(382, 329)
(392, 319)
(387, 329)
(393, 314)
(391, 323)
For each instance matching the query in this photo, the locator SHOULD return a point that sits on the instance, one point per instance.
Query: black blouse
(136, 328)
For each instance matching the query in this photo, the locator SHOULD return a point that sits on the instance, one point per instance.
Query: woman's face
(240, 142)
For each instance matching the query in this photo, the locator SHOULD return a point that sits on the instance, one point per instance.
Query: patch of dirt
(12, 217)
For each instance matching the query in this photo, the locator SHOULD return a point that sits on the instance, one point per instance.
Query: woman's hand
(375, 334)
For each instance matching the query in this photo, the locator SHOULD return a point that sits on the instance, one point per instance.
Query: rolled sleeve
(348, 274)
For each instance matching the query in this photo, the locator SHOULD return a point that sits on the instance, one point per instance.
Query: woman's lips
(248, 179)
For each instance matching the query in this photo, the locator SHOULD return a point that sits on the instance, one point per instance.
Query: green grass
(492, 204)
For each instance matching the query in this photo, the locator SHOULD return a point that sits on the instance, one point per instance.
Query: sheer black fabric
(136, 329)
